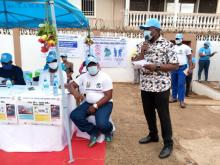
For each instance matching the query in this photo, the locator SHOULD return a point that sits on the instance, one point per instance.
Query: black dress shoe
(148, 139)
(165, 152)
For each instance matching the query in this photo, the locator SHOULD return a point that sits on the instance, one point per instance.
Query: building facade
(175, 15)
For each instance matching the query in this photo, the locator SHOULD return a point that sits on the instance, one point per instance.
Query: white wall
(214, 69)
(33, 59)
(76, 3)
(6, 44)
(31, 56)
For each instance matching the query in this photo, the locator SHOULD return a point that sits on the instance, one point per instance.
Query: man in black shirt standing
(10, 71)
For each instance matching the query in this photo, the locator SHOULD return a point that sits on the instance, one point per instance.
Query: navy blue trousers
(79, 115)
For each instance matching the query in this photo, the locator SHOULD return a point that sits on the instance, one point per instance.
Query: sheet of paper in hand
(186, 71)
(139, 64)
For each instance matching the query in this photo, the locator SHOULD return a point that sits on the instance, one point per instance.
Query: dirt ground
(196, 132)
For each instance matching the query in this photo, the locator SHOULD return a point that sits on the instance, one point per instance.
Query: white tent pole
(64, 101)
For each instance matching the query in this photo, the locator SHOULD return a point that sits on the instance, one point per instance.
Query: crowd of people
(168, 66)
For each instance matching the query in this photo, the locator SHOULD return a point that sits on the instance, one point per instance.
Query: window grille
(88, 7)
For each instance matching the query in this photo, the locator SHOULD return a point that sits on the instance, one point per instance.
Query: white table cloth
(33, 137)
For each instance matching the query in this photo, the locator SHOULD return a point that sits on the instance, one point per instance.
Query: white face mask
(147, 35)
(179, 41)
(53, 65)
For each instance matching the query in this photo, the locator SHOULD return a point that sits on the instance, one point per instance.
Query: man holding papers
(155, 82)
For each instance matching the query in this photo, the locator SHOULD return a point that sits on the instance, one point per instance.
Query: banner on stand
(111, 52)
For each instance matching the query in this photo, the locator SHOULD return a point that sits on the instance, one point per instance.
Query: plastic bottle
(55, 86)
(45, 86)
(28, 82)
(8, 83)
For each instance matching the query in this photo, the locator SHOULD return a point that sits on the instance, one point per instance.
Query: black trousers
(188, 83)
(203, 65)
(159, 101)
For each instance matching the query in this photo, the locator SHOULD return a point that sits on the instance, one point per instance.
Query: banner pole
(64, 103)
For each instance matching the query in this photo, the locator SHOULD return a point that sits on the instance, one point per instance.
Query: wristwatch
(95, 106)
(157, 67)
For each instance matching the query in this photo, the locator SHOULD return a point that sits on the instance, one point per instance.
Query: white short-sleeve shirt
(94, 86)
(182, 51)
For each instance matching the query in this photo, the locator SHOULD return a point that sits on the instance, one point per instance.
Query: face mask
(7, 66)
(53, 65)
(147, 35)
(93, 70)
(206, 46)
(178, 41)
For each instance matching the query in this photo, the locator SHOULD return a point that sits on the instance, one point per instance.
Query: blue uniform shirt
(207, 53)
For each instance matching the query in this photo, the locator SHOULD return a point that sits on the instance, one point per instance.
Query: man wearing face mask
(179, 76)
(204, 60)
(51, 70)
(10, 71)
(155, 83)
(98, 90)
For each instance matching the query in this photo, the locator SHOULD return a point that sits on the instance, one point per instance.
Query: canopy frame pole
(64, 101)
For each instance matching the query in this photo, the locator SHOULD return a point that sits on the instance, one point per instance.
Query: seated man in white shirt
(98, 101)
(52, 71)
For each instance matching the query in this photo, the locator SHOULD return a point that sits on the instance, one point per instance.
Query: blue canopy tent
(31, 13)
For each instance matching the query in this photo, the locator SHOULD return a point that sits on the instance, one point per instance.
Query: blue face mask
(93, 70)
(147, 35)
(206, 46)
(7, 66)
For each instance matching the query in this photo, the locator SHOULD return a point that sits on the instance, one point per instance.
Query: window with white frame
(88, 7)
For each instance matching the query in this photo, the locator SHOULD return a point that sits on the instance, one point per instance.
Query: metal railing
(182, 21)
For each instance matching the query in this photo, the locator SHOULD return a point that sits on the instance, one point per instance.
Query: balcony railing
(170, 21)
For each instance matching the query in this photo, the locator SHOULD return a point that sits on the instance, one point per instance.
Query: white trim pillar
(197, 6)
(148, 5)
(165, 6)
(176, 12)
(126, 14)
(218, 7)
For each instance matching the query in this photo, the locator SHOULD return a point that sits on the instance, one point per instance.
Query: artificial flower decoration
(88, 40)
(47, 35)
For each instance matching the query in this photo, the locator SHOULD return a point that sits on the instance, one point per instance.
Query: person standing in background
(204, 60)
(190, 75)
(67, 67)
(179, 76)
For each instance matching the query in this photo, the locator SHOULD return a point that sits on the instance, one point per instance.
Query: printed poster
(7, 110)
(42, 112)
(70, 45)
(56, 114)
(25, 111)
(110, 51)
